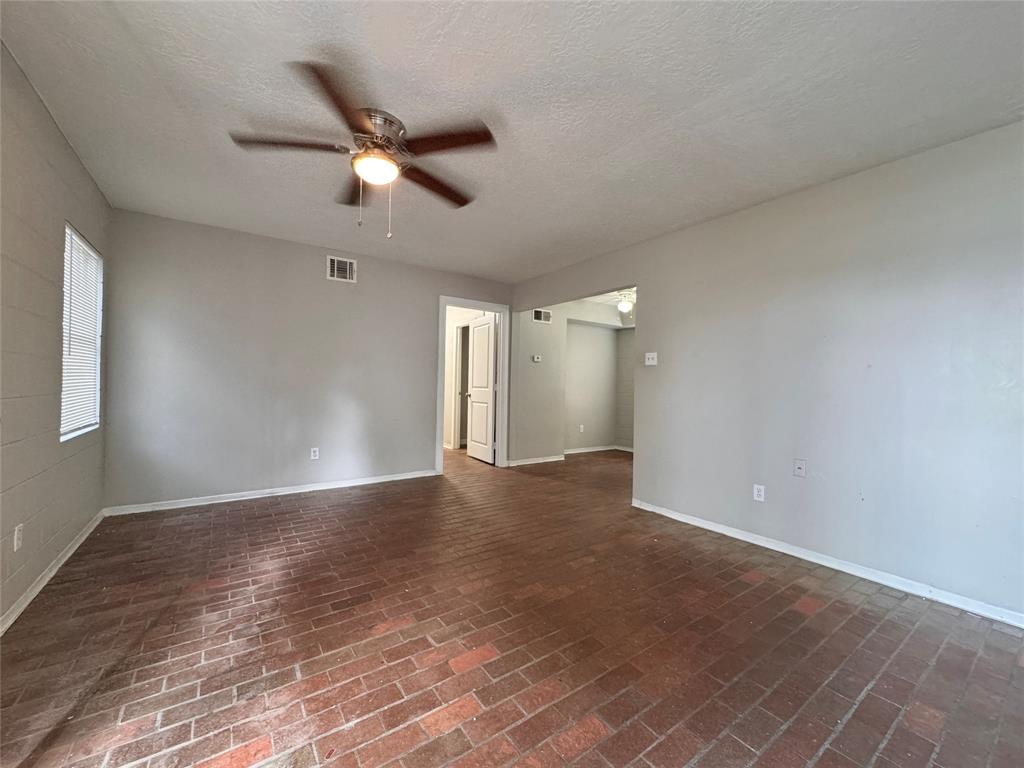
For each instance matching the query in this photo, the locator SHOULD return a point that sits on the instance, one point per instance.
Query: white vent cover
(542, 315)
(341, 269)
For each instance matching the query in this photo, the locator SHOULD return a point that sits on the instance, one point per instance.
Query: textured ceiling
(615, 122)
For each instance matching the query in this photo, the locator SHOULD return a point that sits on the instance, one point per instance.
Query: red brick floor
(485, 618)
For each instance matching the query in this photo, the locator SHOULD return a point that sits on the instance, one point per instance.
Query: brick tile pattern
(524, 617)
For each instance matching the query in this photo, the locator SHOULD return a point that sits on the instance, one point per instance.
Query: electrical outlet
(581, 427)
(19, 531)
(799, 467)
(650, 358)
(758, 493)
(314, 454)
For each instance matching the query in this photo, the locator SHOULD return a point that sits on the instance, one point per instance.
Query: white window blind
(82, 330)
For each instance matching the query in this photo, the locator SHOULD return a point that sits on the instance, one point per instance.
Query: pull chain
(359, 223)
(389, 211)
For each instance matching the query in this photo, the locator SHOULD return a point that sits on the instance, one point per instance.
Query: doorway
(598, 378)
(461, 410)
(575, 365)
(472, 381)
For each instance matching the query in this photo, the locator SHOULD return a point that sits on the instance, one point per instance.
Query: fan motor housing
(388, 132)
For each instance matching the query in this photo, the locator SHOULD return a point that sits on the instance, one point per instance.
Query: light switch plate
(650, 358)
(799, 467)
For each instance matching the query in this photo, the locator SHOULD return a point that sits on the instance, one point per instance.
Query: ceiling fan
(382, 150)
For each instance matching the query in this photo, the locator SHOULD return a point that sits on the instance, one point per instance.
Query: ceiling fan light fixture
(375, 167)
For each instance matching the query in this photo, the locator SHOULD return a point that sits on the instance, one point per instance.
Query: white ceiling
(615, 122)
(609, 298)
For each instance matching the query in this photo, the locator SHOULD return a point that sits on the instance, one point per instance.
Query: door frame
(504, 315)
(457, 398)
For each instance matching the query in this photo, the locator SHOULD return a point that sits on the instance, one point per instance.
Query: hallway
(482, 618)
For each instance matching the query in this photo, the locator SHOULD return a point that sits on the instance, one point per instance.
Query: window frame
(70, 228)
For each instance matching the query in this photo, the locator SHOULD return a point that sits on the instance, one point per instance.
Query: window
(80, 342)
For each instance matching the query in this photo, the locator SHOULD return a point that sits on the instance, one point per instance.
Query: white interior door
(482, 378)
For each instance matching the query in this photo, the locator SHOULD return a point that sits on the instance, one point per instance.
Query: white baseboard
(568, 451)
(198, 501)
(626, 448)
(539, 460)
(918, 588)
(22, 602)
(599, 448)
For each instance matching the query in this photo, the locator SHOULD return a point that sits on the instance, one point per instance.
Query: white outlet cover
(799, 467)
(537, 358)
(314, 454)
(581, 427)
(758, 493)
(650, 358)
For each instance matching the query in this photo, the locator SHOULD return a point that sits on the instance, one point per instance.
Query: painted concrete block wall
(873, 326)
(590, 374)
(230, 356)
(54, 489)
(625, 363)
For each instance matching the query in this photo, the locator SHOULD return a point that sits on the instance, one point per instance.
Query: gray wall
(590, 368)
(625, 363)
(230, 356)
(872, 326)
(53, 488)
(536, 391)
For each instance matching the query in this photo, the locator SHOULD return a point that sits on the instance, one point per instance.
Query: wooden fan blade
(456, 138)
(435, 185)
(270, 142)
(350, 194)
(323, 77)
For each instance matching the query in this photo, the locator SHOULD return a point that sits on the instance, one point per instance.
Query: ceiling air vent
(542, 315)
(341, 269)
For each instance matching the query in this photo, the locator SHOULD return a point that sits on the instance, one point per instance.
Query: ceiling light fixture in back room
(626, 301)
(382, 154)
